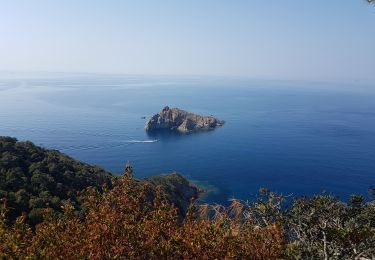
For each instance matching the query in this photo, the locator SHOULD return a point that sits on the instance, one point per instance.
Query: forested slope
(32, 178)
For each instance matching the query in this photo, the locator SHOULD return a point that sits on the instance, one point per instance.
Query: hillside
(179, 191)
(154, 219)
(33, 178)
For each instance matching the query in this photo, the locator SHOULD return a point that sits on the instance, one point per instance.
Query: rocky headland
(181, 120)
(33, 178)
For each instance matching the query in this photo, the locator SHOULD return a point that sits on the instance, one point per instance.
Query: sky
(288, 39)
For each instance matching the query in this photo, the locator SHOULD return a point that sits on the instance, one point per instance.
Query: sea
(293, 137)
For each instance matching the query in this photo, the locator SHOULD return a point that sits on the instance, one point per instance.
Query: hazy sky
(285, 39)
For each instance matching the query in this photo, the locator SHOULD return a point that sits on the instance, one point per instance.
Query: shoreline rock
(181, 121)
(179, 190)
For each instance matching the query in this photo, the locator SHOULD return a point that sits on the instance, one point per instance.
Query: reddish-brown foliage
(131, 221)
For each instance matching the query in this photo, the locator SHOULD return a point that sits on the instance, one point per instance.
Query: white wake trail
(142, 141)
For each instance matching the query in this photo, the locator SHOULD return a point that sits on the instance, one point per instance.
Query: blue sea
(293, 137)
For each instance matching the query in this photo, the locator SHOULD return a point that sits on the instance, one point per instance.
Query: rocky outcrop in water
(182, 121)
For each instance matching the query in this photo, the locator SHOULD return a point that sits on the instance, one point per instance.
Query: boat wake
(142, 141)
(103, 146)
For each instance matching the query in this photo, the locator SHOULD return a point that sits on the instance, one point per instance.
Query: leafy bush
(322, 227)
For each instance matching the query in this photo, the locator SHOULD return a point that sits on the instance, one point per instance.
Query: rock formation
(180, 120)
(179, 191)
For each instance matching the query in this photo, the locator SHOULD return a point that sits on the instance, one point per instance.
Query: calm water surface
(292, 137)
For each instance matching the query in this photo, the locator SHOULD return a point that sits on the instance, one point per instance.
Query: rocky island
(182, 121)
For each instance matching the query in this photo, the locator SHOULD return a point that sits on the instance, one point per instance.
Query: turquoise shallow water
(292, 137)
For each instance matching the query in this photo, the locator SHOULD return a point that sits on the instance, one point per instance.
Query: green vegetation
(33, 178)
(123, 223)
(178, 190)
(126, 218)
(322, 227)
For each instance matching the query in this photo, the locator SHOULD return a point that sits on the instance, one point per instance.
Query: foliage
(14, 239)
(156, 219)
(179, 190)
(123, 223)
(322, 227)
(33, 178)
(319, 227)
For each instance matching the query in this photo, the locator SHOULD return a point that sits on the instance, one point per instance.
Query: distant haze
(319, 40)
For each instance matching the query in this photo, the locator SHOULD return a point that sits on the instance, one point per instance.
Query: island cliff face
(182, 121)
